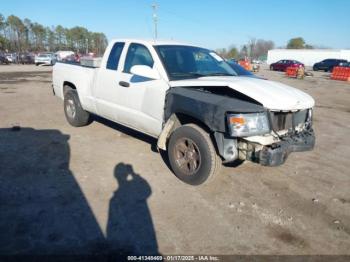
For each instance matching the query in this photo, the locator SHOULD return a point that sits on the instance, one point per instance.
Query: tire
(75, 114)
(271, 68)
(314, 68)
(200, 163)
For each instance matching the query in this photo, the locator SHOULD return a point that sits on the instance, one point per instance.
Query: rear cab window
(114, 56)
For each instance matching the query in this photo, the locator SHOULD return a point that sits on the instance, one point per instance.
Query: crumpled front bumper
(277, 153)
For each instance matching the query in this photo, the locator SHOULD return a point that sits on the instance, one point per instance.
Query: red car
(283, 64)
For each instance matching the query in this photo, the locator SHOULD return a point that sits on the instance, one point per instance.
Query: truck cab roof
(149, 41)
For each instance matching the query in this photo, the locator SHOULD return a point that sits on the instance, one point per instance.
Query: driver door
(131, 100)
(141, 99)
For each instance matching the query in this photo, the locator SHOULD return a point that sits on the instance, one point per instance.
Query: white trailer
(307, 56)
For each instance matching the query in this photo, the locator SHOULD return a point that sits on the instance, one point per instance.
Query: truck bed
(80, 76)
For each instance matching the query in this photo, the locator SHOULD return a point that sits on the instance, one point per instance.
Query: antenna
(155, 19)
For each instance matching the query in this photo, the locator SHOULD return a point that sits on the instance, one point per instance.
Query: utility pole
(155, 19)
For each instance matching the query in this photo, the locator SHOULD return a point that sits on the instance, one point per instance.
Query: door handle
(123, 83)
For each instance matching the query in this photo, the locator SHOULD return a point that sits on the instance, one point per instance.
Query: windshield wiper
(198, 75)
(218, 74)
(188, 74)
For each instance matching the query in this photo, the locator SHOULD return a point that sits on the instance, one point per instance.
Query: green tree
(221, 52)
(296, 43)
(98, 43)
(16, 30)
(307, 46)
(39, 35)
(243, 52)
(50, 39)
(232, 53)
(60, 37)
(2, 24)
(18, 35)
(3, 40)
(28, 35)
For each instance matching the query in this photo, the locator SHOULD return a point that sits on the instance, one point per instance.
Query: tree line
(258, 48)
(17, 35)
(254, 49)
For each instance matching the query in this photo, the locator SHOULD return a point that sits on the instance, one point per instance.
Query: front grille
(287, 120)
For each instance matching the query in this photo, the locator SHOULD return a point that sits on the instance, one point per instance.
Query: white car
(192, 102)
(12, 58)
(45, 59)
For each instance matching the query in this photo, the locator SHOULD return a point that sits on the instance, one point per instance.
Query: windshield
(185, 62)
(239, 69)
(44, 55)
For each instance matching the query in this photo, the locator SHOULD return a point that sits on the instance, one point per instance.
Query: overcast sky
(209, 23)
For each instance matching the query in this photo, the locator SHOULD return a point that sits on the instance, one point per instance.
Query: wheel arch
(68, 86)
(176, 120)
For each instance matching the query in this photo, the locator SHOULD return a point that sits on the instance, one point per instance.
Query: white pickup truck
(192, 101)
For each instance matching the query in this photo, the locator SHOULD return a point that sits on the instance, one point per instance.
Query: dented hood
(272, 95)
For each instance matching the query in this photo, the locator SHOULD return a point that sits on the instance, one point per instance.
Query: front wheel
(75, 114)
(192, 155)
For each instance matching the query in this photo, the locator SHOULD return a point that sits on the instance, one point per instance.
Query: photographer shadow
(130, 227)
(43, 210)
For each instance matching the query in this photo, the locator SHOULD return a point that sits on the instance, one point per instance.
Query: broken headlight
(251, 124)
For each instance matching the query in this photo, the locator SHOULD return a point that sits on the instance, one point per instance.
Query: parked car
(192, 101)
(282, 65)
(328, 64)
(45, 59)
(345, 64)
(26, 58)
(3, 59)
(241, 71)
(11, 57)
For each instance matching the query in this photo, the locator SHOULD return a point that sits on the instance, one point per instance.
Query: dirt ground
(104, 188)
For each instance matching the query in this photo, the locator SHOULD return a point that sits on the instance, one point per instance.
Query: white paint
(141, 105)
(272, 95)
(145, 71)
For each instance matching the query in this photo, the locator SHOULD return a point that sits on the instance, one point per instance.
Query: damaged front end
(242, 127)
(276, 153)
(290, 132)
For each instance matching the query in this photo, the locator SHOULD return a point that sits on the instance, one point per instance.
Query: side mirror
(145, 71)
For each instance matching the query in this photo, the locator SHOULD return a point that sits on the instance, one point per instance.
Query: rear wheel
(75, 114)
(192, 155)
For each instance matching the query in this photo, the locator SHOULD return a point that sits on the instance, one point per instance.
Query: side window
(114, 56)
(137, 55)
